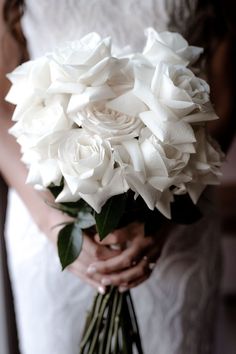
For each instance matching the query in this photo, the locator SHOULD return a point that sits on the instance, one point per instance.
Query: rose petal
(168, 132)
(128, 104)
(91, 94)
(116, 186)
(163, 203)
(133, 148)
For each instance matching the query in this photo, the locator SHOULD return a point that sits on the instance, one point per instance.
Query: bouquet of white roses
(94, 126)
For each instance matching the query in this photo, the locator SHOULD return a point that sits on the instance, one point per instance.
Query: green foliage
(109, 217)
(55, 190)
(69, 244)
(85, 220)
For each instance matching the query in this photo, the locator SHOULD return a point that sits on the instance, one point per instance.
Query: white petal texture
(87, 164)
(102, 123)
(169, 47)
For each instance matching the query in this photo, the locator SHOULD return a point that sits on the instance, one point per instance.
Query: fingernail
(91, 269)
(124, 285)
(105, 281)
(101, 290)
(122, 289)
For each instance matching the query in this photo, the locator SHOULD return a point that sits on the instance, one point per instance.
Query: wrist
(51, 220)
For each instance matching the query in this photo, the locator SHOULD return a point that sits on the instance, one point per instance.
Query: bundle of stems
(111, 326)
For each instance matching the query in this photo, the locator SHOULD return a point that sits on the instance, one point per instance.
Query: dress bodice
(48, 23)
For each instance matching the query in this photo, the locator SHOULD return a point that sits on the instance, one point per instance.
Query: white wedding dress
(176, 306)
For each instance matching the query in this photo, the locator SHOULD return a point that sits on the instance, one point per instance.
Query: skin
(98, 264)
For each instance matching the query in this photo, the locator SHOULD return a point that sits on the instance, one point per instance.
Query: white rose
(171, 90)
(129, 157)
(104, 87)
(109, 124)
(87, 165)
(181, 90)
(164, 165)
(151, 168)
(79, 66)
(30, 82)
(89, 50)
(44, 173)
(175, 98)
(204, 165)
(37, 131)
(170, 132)
(42, 161)
(169, 47)
(40, 120)
(83, 81)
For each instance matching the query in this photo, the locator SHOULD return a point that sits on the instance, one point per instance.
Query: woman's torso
(48, 23)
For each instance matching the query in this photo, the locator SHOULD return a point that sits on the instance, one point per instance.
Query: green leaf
(80, 205)
(55, 190)
(109, 217)
(72, 208)
(69, 244)
(85, 220)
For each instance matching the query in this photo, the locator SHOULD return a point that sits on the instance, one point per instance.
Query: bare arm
(11, 168)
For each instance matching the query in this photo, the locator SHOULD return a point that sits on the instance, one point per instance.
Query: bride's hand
(137, 259)
(91, 251)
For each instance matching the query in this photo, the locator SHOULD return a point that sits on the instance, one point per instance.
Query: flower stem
(117, 324)
(134, 322)
(111, 326)
(93, 316)
(107, 337)
(98, 323)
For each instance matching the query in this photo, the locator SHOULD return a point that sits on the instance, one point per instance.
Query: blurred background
(225, 340)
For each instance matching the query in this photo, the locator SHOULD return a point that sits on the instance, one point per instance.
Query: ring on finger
(145, 258)
(115, 247)
(151, 265)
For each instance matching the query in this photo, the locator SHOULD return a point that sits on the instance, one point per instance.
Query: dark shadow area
(8, 298)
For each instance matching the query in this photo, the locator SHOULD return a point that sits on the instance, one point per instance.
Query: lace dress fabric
(176, 306)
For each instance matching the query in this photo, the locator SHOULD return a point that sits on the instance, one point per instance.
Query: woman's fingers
(79, 268)
(124, 287)
(151, 260)
(116, 237)
(134, 270)
(90, 253)
(121, 236)
(101, 265)
(96, 251)
(133, 274)
(132, 244)
(124, 259)
(81, 273)
(118, 263)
